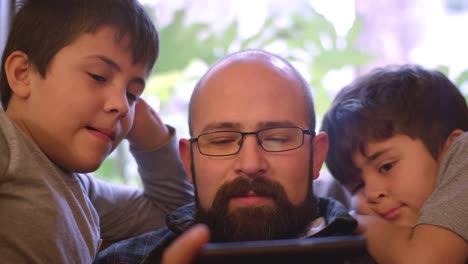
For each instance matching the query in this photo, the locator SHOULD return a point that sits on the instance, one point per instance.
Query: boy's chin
(405, 222)
(82, 166)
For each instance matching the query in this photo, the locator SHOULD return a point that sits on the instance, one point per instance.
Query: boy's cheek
(360, 205)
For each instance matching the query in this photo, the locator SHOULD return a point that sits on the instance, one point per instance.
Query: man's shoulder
(329, 207)
(140, 249)
(339, 221)
(327, 186)
(148, 247)
(182, 218)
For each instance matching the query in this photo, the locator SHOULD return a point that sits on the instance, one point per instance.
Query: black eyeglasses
(226, 143)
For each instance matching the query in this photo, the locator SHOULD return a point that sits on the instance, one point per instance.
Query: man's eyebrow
(237, 126)
(271, 124)
(108, 61)
(220, 126)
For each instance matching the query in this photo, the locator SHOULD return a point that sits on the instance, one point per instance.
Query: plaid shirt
(148, 248)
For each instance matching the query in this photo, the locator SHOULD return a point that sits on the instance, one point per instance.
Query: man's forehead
(246, 76)
(241, 63)
(247, 126)
(247, 118)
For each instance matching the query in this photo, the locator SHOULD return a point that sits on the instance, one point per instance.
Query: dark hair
(422, 104)
(42, 27)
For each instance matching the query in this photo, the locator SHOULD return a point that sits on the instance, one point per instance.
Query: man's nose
(251, 157)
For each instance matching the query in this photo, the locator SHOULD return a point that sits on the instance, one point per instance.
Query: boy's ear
(186, 157)
(451, 138)
(18, 70)
(320, 152)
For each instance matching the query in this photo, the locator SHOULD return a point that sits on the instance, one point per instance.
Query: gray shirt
(48, 215)
(448, 205)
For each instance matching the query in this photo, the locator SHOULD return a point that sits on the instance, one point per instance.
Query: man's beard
(278, 221)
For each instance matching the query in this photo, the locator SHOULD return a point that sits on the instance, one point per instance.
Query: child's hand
(148, 131)
(365, 220)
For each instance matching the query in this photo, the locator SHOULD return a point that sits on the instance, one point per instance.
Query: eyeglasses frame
(243, 134)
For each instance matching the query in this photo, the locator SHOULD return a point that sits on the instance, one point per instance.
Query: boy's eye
(96, 77)
(132, 97)
(357, 188)
(386, 167)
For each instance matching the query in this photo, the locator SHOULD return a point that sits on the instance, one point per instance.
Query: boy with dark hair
(398, 143)
(71, 77)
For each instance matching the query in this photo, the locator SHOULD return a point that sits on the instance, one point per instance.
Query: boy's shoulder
(459, 148)
(463, 139)
(4, 149)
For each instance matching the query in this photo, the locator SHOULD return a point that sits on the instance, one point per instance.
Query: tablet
(334, 249)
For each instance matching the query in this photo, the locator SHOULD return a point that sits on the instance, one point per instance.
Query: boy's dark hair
(422, 104)
(42, 27)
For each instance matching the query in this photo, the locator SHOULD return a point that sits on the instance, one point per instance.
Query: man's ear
(18, 73)
(320, 149)
(450, 139)
(186, 156)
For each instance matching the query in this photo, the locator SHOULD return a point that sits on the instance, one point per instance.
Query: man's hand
(185, 248)
(148, 131)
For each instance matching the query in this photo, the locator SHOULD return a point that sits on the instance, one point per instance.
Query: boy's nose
(375, 190)
(375, 197)
(117, 103)
(251, 157)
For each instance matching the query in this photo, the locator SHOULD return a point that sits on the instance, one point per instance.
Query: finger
(184, 249)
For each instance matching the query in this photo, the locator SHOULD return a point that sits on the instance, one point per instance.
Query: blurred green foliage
(461, 80)
(181, 44)
(309, 38)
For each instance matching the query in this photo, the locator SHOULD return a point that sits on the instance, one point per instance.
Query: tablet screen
(335, 249)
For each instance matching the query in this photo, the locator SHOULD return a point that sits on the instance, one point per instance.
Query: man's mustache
(244, 185)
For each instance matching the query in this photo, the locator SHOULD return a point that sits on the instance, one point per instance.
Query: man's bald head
(235, 64)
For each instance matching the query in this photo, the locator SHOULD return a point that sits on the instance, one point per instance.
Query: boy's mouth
(106, 132)
(391, 214)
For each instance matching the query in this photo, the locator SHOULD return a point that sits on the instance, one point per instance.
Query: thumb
(184, 249)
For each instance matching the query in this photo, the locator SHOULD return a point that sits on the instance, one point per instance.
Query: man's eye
(277, 139)
(96, 77)
(221, 141)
